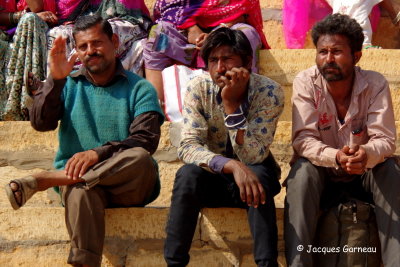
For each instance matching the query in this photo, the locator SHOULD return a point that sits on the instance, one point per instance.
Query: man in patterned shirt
(230, 117)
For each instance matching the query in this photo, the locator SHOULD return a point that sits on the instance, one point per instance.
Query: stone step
(386, 35)
(21, 158)
(134, 237)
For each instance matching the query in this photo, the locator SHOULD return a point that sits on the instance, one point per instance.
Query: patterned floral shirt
(204, 133)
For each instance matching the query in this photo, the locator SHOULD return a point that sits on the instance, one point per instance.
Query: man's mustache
(330, 66)
(95, 55)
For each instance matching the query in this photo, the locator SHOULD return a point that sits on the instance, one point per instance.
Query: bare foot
(16, 191)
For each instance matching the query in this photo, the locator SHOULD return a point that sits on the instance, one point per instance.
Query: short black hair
(235, 39)
(339, 24)
(85, 22)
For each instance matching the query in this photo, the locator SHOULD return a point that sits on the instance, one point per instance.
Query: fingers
(242, 191)
(345, 149)
(238, 74)
(59, 46)
(353, 149)
(72, 59)
(71, 168)
(52, 17)
(200, 40)
(252, 193)
(263, 196)
(355, 167)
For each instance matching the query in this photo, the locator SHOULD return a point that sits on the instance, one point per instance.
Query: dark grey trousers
(305, 184)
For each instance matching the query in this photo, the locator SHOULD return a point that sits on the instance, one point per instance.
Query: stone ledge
(36, 224)
(134, 237)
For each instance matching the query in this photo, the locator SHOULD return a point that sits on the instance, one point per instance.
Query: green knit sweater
(96, 115)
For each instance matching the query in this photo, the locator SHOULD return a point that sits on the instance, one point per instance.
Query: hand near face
(77, 166)
(60, 66)
(234, 85)
(251, 190)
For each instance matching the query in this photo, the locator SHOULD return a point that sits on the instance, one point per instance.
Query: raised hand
(235, 84)
(60, 65)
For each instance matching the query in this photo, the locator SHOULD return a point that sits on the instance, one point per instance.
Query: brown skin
(35, 5)
(229, 73)
(336, 62)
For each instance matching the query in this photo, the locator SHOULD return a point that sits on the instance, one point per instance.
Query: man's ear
(249, 62)
(357, 56)
(115, 40)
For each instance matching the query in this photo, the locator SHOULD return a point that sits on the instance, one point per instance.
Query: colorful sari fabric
(135, 12)
(4, 48)
(130, 20)
(167, 45)
(27, 52)
(209, 13)
(48, 5)
(69, 10)
(299, 16)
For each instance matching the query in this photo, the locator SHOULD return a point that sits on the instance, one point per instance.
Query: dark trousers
(195, 188)
(305, 186)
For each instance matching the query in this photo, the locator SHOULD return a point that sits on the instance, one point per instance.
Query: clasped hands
(352, 159)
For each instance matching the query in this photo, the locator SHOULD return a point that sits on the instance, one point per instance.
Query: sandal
(27, 186)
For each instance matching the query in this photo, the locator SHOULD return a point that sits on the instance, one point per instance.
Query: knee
(76, 196)
(188, 176)
(303, 175)
(137, 155)
(387, 173)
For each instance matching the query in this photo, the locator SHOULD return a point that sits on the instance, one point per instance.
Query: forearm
(10, 19)
(378, 150)
(190, 151)
(47, 106)
(144, 132)
(315, 151)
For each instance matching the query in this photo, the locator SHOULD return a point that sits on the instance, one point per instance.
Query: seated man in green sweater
(109, 126)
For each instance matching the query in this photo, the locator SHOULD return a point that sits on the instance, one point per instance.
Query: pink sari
(48, 5)
(299, 16)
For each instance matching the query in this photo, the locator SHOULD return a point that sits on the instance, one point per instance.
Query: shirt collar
(82, 72)
(358, 86)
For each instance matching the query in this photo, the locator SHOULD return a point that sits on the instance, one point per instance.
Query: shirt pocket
(358, 133)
